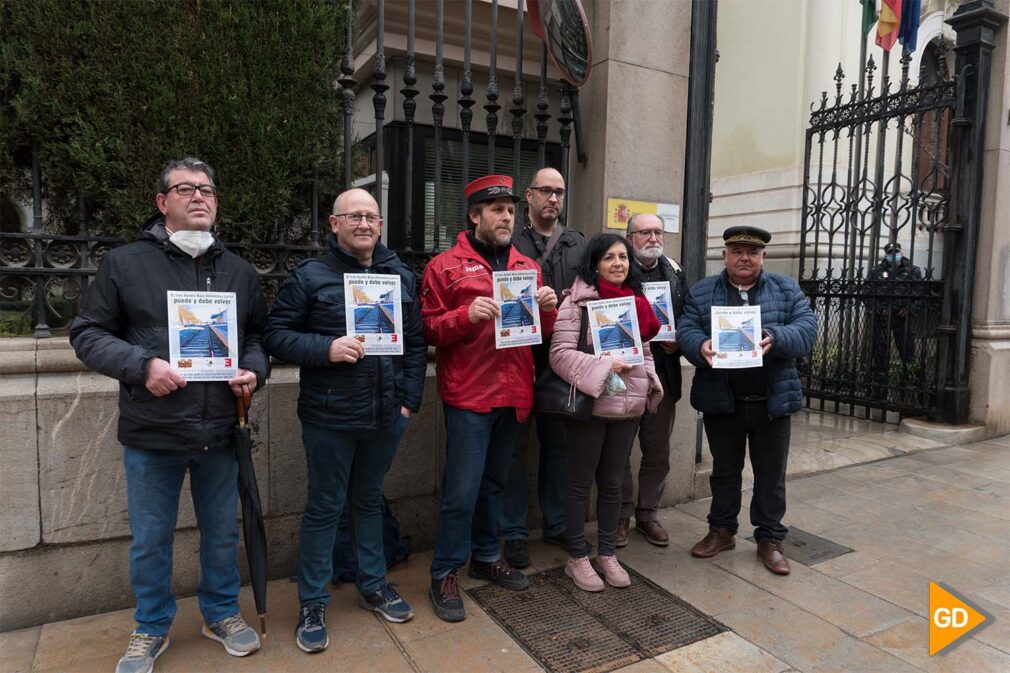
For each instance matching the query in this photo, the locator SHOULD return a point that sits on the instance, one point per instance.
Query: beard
(649, 255)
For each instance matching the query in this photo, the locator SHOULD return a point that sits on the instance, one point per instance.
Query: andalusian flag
(869, 15)
(889, 24)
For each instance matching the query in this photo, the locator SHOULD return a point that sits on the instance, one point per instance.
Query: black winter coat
(668, 365)
(309, 314)
(124, 324)
(562, 265)
(558, 270)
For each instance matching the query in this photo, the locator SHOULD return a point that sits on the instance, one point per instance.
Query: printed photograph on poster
(658, 294)
(736, 337)
(614, 326)
(203, 335)
(374, 313)
(519, 321)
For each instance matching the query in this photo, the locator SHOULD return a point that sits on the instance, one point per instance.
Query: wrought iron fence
(878, 175)
(44, 274)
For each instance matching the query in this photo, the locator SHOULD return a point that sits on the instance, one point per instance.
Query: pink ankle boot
(615, 575)
(582, 573)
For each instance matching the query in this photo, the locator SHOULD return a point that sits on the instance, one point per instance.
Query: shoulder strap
(331, 260)
(581, 346)
(559, 229)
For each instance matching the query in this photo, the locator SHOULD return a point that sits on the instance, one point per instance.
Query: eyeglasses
(546, 192)
(647, 234)
(187, 189)
(745, 297)
(355, 218)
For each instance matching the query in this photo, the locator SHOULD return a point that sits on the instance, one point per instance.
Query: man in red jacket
(486, 392)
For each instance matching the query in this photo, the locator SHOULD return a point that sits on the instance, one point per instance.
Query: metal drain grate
(809, 549)
(567, 630)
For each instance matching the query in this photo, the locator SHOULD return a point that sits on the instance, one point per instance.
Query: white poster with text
(203, 335)
(518, 324)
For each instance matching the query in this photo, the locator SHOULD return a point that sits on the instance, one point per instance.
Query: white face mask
(193, 243)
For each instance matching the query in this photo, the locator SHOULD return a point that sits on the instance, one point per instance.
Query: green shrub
(112, 89)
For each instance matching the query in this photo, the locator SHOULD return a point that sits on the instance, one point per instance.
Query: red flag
(889, 24)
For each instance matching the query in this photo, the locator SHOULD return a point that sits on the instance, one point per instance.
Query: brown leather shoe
(720, 539)
(773, 557)
(622, 532)
(653, 532)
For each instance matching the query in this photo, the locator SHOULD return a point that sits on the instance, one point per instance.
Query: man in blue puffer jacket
(354, 408)
(748, 404)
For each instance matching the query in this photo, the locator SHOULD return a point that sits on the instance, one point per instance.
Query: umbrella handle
(241, 406)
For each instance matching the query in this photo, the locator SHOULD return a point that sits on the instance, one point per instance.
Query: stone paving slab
(808, 643)
(908, 641)
(17, 649)
(725, 653)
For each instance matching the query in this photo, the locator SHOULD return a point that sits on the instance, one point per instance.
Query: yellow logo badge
(951, 617)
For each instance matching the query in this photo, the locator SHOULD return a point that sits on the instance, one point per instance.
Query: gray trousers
(654, 440)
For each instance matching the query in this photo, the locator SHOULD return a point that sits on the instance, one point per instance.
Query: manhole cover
(572, 631)
(809, 549)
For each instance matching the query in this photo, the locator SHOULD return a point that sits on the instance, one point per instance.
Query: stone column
(634, 109)
(984, 22)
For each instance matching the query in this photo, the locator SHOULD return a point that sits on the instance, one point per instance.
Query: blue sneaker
(387, 603)
(141, 653)
(310, 634)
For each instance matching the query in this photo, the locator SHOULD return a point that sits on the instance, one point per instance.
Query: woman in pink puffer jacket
(598, 449)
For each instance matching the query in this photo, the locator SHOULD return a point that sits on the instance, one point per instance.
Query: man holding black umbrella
(169, 425)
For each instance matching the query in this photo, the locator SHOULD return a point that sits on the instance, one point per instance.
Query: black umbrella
(253, 531)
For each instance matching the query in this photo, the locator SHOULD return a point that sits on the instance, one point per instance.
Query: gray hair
(187, 164)
(631, 225)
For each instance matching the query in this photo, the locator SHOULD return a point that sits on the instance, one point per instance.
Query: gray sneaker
(141, 653)
(238, 638)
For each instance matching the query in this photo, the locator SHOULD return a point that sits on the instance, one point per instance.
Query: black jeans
(728, 436)
(597, 450)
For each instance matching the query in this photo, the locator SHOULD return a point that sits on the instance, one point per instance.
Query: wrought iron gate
(889, 166)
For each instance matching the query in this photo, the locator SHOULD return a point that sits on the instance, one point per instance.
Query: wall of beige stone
(65, 533)
(990, 393)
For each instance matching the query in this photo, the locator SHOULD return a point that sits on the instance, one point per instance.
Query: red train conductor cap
(489, 188)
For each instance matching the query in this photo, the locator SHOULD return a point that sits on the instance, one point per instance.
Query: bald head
(546, 197)
(356, 223)
(356, 196)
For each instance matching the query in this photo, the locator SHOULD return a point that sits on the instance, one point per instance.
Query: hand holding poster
(518, 324)
(660, 300)
(736, 337)
(374, 313)
(203, 335)
(614, 326)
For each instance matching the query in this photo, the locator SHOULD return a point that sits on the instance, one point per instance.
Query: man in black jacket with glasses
(558, 250)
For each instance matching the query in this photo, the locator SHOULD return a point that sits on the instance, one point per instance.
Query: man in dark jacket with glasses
(353, 407)
(558, 251)
(170, 426)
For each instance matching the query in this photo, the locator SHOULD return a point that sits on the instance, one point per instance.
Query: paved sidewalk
(940, 514)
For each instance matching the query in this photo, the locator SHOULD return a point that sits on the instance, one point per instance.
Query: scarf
(648, 324)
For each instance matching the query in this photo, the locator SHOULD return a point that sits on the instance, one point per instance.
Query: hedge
(112, 89)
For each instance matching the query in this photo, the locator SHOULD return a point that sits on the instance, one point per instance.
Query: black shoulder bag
(553, 395)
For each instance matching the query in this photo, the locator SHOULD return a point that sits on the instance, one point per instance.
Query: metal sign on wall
(620, 211)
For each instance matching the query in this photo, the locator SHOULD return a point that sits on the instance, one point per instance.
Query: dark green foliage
(112, 89)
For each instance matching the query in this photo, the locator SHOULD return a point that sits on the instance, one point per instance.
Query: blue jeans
(550, 480)
(344, 465)
(153, 484)
(478, 457)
